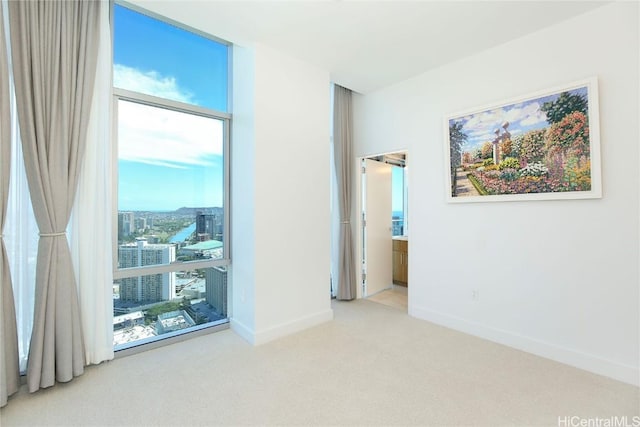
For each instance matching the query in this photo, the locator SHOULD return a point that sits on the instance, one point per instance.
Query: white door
(377, 260)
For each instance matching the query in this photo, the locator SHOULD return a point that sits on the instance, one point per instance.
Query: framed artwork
(540, 146)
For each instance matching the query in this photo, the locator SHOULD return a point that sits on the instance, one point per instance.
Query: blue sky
(195, 65)
(522, 117)
(164, 156)
(397, 188)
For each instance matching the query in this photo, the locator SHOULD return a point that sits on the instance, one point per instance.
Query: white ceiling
(367, 45)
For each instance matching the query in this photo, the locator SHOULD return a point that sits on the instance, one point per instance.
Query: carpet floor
(371, 365)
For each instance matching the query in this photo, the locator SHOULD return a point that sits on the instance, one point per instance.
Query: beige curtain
(9, 367)
(92, 252)
(343, 157)
(54, 48)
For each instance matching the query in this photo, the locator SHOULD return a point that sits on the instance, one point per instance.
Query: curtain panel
(92, 251)
(343, 157)
(54, 52)
(9, 366)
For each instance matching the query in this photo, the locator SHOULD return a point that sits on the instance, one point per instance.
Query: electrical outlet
(475, 295)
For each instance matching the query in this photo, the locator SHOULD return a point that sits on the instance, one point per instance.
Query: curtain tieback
(53, 234)
(345, 222)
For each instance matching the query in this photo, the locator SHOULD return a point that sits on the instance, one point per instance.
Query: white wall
(280, 191)
(280, 186)
(243, 147)
(556, 278)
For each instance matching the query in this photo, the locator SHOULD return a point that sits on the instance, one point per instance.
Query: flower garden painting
(544, 146)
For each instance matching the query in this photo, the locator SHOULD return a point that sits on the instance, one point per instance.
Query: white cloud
(164, 137)
(534, 119)
(482, 133)
(487, 122)
(150, 83)
(527, 115)
(484, 136)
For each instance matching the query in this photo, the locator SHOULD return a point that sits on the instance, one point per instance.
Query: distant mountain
(193, 211)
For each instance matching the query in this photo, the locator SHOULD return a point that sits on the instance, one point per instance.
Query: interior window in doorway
(397, 201)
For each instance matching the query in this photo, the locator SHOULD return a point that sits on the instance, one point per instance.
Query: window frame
(152, 101)
(119, 94)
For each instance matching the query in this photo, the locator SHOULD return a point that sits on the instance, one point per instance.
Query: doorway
(384, 229)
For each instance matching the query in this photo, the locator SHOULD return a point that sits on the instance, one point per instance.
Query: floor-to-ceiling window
(172, 125)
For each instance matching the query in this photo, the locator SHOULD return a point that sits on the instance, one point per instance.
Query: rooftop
(207, 245)
(129, 316)
(135, 333)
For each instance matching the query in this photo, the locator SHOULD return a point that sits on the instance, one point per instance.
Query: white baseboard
(625, 373)
(278, 331)
(241, 329)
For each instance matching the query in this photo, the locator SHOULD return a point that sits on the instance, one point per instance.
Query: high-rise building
(205, 226)
(150, 287)
(219, 227)
(126, 224)
(216, 288)
(397, 224)
(141, 223)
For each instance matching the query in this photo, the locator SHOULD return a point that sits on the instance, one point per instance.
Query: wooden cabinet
(400, 262)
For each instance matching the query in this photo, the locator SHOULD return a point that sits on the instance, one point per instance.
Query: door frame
(357, 215)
